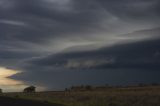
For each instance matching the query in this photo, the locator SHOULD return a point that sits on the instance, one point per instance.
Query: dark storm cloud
(83, 67)
(30, 30)
(45, 21)
(144, 54)
(129, 9)
(53, 22)
(30, 22)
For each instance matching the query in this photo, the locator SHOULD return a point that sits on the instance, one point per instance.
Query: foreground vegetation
(116, 96)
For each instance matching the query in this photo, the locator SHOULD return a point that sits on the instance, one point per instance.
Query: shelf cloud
(67, 38)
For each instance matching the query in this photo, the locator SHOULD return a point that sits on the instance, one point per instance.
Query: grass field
(117, 96)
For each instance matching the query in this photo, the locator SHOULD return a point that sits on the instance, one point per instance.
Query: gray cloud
(81, 67)
(80, 64)
(45, 36)
(142, 54)
(84, 19)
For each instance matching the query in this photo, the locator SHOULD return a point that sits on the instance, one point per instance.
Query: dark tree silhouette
(30, 89)
(1, 91)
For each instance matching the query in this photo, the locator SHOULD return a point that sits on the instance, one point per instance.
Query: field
(116, 96)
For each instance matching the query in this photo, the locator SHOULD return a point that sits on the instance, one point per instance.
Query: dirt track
(4, 101)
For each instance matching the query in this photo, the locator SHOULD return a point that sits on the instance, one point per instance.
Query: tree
(1, 91)
(30, 89)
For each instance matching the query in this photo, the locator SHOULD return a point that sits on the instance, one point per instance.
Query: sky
(54, 44)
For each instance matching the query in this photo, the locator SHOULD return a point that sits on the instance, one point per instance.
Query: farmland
(114, 96)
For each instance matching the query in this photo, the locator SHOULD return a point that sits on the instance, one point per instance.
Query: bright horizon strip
(7, 84)
(11, 85)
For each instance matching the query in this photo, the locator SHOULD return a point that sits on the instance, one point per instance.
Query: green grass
(132, 96)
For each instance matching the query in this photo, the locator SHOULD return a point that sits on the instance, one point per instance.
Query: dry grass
(131, 96)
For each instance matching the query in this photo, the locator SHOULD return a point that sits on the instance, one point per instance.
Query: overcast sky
(59, 43)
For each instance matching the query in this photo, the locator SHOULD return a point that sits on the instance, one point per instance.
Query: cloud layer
(138, 58)
(50, 36)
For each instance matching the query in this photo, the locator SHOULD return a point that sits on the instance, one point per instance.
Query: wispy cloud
(12, 22)
(87, 64)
